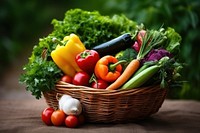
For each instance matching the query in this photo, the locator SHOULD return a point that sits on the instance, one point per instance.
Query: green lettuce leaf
(173, 41)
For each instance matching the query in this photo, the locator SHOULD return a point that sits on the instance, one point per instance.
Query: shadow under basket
(116, 106)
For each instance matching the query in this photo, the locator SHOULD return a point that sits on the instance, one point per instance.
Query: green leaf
(173, 41)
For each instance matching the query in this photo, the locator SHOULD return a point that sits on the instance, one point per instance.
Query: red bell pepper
(87, 60)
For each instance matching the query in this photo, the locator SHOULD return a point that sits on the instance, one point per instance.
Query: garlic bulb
(62, 100)
(72, 107)
(69, 105)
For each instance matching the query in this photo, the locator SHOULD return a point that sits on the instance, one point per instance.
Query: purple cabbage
(157, 54)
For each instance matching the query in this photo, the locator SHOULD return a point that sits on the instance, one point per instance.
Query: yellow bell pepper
(64, 55)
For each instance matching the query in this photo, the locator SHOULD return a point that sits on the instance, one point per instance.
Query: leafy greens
(41, 73)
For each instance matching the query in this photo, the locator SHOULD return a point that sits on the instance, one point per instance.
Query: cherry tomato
(46, 115)
(71, 121)
(100, 84)
(58, 118)
(67, 79)
(81, 78)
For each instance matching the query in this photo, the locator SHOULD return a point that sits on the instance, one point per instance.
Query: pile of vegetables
(103, 52)
(69, 113)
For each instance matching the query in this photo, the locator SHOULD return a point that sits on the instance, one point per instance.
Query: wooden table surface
(20, 113)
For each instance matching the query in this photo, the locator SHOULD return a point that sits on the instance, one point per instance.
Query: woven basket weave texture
(111, 106)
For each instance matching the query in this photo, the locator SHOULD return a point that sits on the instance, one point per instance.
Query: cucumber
(140, 78)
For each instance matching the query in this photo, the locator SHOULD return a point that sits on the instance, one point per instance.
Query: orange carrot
(128, 72)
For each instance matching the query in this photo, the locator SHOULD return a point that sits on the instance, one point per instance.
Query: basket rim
(70, 87)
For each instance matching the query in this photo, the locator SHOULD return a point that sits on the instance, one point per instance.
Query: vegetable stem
(113, 66)
(93, 78)
(151, 39)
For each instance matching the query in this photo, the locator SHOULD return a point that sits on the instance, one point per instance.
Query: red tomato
(46, 115)
(71, 121)
(81, 78)
(58, 118)
(100, 84)
(67, 79)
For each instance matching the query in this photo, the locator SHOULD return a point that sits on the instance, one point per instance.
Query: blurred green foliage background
(23, 22)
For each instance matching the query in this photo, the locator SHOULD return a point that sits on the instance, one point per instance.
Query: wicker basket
(111, 106)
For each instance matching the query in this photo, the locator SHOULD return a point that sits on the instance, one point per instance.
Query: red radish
(140, 36)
